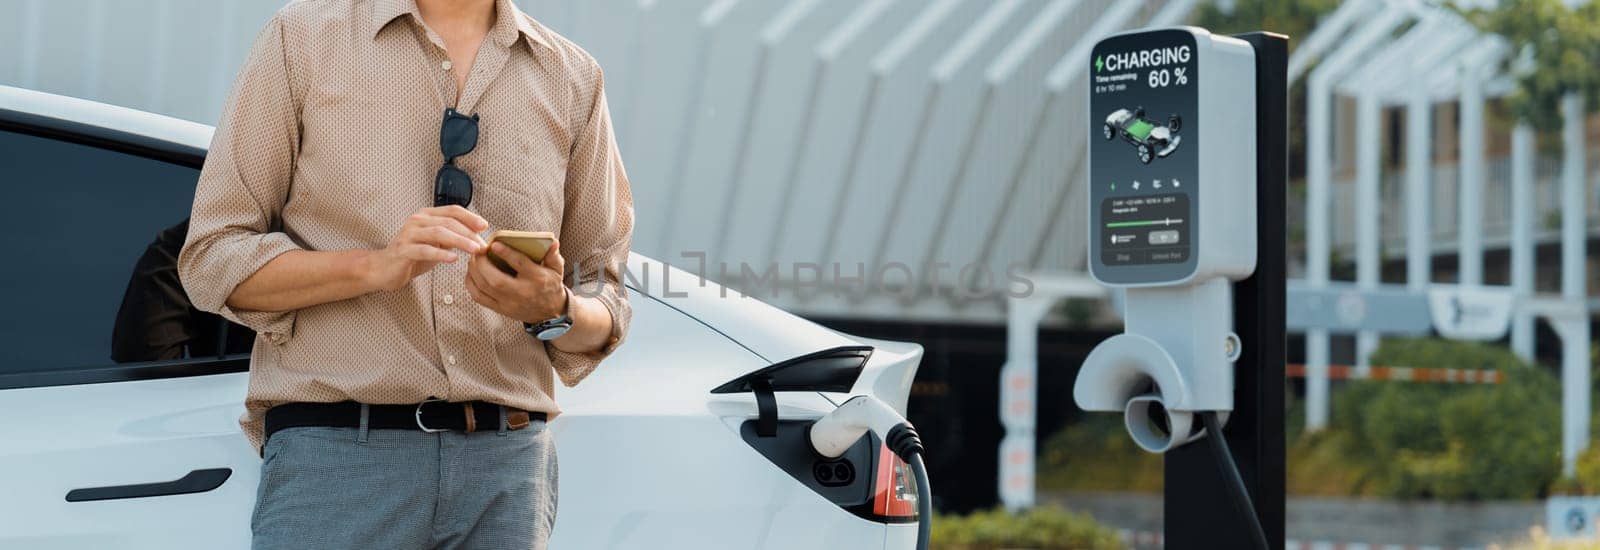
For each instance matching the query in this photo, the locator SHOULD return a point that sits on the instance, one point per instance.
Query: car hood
(769, 332)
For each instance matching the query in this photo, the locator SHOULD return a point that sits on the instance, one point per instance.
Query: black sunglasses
(458, 135)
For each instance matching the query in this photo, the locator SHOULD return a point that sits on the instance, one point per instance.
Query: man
(157, 322)
(366, 147)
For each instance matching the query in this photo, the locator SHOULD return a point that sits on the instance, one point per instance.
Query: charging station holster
(1138, 372)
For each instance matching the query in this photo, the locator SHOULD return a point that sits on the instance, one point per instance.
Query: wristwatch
(550, 329)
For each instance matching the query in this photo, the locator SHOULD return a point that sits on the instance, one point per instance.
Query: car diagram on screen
(1149, 139)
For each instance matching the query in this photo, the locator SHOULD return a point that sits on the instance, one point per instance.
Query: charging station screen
(1143, 164)
(1145, 229)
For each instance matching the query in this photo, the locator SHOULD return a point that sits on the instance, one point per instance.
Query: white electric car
(119, 403)
(1150, 140)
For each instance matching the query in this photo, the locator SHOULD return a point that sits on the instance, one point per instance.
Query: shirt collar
(384, 11)
(520, 23)
(509, 21)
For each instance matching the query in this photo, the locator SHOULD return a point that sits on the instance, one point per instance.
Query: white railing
(1496, 219)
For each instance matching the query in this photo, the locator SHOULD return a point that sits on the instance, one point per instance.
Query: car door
(118, 401)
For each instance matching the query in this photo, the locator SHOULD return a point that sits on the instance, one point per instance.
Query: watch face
(553, 332)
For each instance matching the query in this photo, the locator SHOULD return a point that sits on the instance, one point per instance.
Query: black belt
(428, 416)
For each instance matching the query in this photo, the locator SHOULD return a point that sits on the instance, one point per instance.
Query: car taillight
(894, 489)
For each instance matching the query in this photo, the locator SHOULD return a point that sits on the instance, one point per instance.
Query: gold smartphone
(534, 244)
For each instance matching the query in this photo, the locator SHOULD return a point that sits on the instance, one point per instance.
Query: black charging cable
(904, 442)
(1236, 489)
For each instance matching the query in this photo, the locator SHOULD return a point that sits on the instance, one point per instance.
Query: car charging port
(833, 434)
(834, 473)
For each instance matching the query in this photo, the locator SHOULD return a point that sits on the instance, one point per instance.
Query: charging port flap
(833, 370)
(766, 407)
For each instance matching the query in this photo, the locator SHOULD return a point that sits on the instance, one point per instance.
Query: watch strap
(564, 319)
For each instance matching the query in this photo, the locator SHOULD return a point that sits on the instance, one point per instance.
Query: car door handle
(197, 481)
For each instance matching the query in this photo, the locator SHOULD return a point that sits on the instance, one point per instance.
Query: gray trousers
(349, 488)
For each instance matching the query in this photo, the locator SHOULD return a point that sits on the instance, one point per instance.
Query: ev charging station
(1187, 169)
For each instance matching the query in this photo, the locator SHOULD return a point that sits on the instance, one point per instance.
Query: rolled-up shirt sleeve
(235, 226)
(596, 228)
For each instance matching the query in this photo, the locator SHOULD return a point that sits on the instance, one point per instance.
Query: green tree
(1294, 18)
(1563, 43)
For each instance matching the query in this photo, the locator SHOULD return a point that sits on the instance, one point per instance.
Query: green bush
(1451, 441)
(1096, 454)
(1041, 528)
(1320, 464)
(1587, 481)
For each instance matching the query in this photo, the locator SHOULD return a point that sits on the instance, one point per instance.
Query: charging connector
(834, 433)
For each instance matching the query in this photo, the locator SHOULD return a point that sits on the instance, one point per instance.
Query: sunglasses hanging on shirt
(458, 135)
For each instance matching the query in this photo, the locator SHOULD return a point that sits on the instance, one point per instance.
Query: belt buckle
(422, 426)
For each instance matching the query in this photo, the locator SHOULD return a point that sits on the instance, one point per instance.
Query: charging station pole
(1200, 252)
(1195, 515)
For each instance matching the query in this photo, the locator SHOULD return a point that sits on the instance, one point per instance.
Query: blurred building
(887, 167)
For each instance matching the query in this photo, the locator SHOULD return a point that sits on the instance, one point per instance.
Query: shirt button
(445, 64)
(448, 299)
(451, 359)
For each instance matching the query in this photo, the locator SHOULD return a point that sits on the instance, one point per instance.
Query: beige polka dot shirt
(330, 139)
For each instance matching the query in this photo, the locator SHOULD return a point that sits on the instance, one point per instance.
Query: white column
(1470, 193)
(1574, 334)
(1319, 128)
(29, 53)
(1018, 392)
(1573, 199)
(1319, 132)
(1575, 345)
(1369, 165)
(222, 58)
(94, 46)
(1522, 251)
(1419, 206)
(155, 69)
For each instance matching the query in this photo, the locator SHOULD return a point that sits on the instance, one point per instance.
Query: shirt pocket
(365, 163)
(518, 189)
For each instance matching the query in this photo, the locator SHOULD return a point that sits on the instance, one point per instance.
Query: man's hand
(535, 293)
(429, 237)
